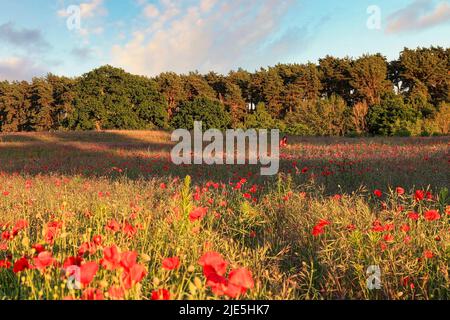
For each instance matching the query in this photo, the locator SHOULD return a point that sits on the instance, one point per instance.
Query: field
(107, 216)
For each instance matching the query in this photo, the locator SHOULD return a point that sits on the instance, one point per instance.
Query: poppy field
(106, 215)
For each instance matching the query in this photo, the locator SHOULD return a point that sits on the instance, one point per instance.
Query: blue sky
(151, 36)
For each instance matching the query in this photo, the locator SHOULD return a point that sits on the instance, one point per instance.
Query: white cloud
(211, 35)
(151, 11)
(87, 9)
(419, 15)
(19, 69)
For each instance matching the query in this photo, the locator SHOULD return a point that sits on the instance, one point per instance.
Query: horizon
(212, 71)
(150, 37)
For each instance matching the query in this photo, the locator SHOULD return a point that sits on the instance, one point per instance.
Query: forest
(361, 96)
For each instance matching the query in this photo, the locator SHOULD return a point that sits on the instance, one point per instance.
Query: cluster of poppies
(215, 268)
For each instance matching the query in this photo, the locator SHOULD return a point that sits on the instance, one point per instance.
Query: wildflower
(239, 281)
(213, 263)
(428, 254)
(113, 226)
(38, 248)
(87, 247)
(111, 258)
(133, 275)
(21, 265)
(20, 225)
(116, 293)
(5, 264)
(171, 263)
(413, 216)
(378, 193)
(129, 230)
(161, 294)
(92, 294)
(389, 238)
(400, 191)
(197, 214)
(405, 228)
(432, 215)
(97, 239)
(88, 272)
(128, 259)
(43, 260)
(377, 226)
(317, 230)
(72, 261)
(419, 195)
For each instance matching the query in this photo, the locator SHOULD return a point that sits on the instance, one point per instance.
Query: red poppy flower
(171, 263)
(113, 226)
(400, 191)
(161, 294)
(92, 294)
(419, 195)
(20, 225)
(97, 239)
(133, 276)
(217, 283)
(378, 193)
(432, 215)
(389, 238)
(413, 216)
(323, 223)
(405, 228)
(87, 247)
(111, 258)
(428, 254)
(88, 272)
(72, 261)
(377, 226)
(197, 214)
(6, 235)
(43, 260)
(38, 248)
(5, 264)
(129, 230)
(116, 293)
(317, 230)
(128, 259)
(239, 281)
(21, 265)
(213, 263)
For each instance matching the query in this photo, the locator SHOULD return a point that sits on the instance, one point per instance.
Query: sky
(147, 37)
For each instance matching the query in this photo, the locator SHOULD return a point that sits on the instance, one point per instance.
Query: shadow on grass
(145, 155)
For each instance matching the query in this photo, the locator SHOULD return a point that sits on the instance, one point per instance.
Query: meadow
(106, 215)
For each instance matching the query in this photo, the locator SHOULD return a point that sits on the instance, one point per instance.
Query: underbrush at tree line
(338, 96)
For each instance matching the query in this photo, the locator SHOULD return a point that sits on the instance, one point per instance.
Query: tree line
(337, 96)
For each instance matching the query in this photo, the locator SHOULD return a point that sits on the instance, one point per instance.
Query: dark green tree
(211, 112)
